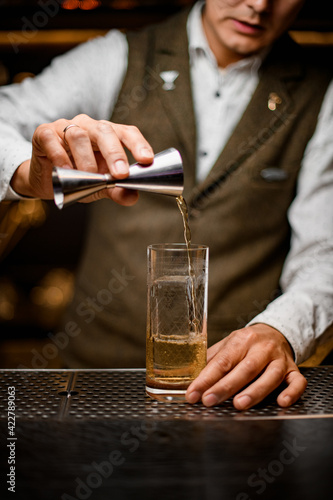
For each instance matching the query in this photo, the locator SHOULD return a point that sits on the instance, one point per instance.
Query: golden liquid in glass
(173, 363)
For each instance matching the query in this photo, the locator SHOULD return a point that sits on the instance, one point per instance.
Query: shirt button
(203, 153)
(217, 94)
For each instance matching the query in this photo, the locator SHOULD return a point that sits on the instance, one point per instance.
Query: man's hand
(95, 146)
(257, 357)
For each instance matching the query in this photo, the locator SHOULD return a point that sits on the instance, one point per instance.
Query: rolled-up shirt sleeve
(304, 311)
(86, 80)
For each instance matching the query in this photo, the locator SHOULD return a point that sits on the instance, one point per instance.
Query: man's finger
(242, 374)
(109, 138)
(132, 138)
(125, 197)
(103, 134)
(46, 144)
(216, 369)
(296, 386)
(79, 143)
(256, 392)
(214, 349)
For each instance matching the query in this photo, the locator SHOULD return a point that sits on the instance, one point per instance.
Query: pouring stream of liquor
(187, 235)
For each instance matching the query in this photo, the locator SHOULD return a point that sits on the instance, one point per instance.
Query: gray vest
(239, 211)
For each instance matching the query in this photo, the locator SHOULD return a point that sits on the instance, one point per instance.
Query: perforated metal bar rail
(120, 394)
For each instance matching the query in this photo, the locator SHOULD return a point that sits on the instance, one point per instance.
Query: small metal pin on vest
(274, 174)
(273, 101)
(169, 78)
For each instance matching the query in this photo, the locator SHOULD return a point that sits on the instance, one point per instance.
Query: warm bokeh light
(81, 4)
(89, 4)
(54, 290)
(27, 213)
(47, 297)
(70, 4)
(8, 300)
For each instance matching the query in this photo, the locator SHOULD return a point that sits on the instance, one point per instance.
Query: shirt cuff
(16, 153)
(11, 195)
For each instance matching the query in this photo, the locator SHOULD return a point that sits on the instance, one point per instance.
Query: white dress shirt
(220, 96)
(88, 80)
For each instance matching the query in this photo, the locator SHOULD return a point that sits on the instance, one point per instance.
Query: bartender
(251, 114)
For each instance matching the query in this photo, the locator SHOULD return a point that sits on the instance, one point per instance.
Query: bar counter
(82, 434)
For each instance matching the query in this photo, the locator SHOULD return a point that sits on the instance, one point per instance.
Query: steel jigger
(163, 176)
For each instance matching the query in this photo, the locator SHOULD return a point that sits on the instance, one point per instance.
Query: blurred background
(39, 245)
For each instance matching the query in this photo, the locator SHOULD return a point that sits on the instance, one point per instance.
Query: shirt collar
(199, 47)
(198, 43)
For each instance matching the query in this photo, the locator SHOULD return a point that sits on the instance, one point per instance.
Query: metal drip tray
(82, 434)
(120, 395)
